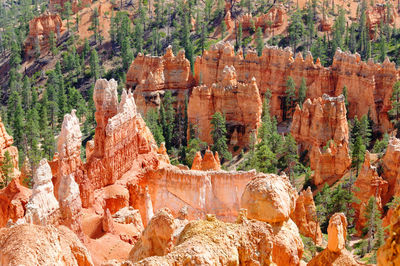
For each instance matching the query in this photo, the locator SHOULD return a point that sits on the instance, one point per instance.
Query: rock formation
(369, 85)
(42, 208)
(389, 253)
(207, 242)
(368, 184)
(201, 192)
(335, 253)
(321, 128)
(13, 199)
(272, 199)
(150, 76)
(6, 142)
(239, 102)
(269, 198)
(391, 169)
(209, 162)
(379, 14)
(305, 216)
(39, 32)
(121, 135)
(41, 245)
(274, 18)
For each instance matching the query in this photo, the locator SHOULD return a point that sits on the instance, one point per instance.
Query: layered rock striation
(39, 32)
(369, 85)
(321, 128)
(305, 216)
(368, 184)
(240, 103)
(335, 253)
(151, 76)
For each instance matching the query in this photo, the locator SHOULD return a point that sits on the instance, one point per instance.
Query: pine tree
(239, 34)
(218, 134)
(94, 65)
(365, 130)
(7, 169)
(52, 43)
(67, 12)
(18, 122)
(295, 29)
(259, 41)
(167, 118)
(346, 101)
(290, 99)
(339, 28)
(126, 53)
(302, 92)
(357, 153)
(152, 121)
(95, 25)
(373, 217)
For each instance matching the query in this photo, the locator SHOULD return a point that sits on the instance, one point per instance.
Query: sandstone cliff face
(38, 245)
(318, 123)
(391, 168)
(39, 32)
(335, 253)
(369, 85)
(305, 216)
(239, 102)
(201, 192)
(368, 184)
(150, 76)
(58, 5)
(389, 253)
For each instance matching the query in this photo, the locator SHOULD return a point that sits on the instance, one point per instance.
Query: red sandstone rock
(321, 122)
(378, 14)
(107, 222)
(388, 254)
(305, 216)
(240, 103)
(275, 18)
(38, 245)
(150, 76)
(39, 32)
(58, 5)
(208, 163)
(162, 153)
(335, 253)
(368, 184)
(13, 199)
(367, 83)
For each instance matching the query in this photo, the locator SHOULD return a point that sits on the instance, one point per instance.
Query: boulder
(269, 198)
(30, 244)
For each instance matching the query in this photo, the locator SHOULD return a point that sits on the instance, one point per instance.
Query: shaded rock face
(369, 85)
(239, 102)
(150, 76)
(391, 168)
(209, 162)
(39, 32)
(305, 216)
(368, 184)
(320, 122)
(335, 253)
(13, 199)
(388, 254)
(206, 242)
(38, 245)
